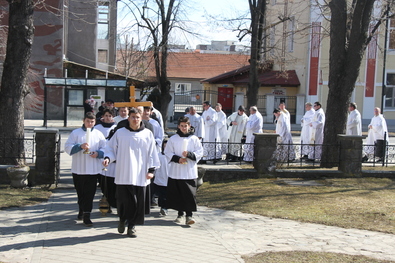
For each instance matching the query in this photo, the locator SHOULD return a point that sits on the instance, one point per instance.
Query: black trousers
(161, 192)
(131, 203)
(108, 188)
(85, 185)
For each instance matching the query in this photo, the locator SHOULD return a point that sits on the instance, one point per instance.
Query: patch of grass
(363, 203)
(13, 197)
(305, 257)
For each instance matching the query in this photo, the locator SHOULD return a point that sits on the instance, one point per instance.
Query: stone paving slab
(48, 232)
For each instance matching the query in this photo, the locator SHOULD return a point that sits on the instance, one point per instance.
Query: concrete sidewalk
(49, 232)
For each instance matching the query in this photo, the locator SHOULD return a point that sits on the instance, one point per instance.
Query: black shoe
(305, 157)
(121, 227)
(365, 159)
(131, 231)
(87, 219)
(380, 160)
(80, 214)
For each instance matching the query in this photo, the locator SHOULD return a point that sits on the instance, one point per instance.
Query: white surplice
(317, 134)
(285, 150)
(306, 130)
(254, 125)
(134, 152)
(354, 123)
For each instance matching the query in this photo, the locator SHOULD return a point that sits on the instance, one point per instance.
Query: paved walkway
(48, 232)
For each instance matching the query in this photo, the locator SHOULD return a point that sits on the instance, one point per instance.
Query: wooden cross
(132, 102)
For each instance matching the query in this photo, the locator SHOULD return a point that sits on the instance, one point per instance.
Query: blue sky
(197, 14)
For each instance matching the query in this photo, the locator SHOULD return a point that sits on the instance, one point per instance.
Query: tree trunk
(13, 83)
(348, 41)
(257, 10)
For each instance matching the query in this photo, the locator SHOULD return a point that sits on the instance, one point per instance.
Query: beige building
(302, 44)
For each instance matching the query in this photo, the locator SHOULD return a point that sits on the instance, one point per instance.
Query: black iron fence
(226, 152)
(17, 148)
(380, 153)
(303, 155)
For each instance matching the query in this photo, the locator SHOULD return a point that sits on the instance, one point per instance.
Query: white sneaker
(190, 220)
(163, 211)
(178, 219)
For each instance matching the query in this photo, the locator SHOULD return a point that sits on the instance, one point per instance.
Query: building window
(102, 55)
(390, 90)
(103, 20)
(182, 88)
(291, 34)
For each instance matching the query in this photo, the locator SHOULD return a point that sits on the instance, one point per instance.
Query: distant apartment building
(224, 46)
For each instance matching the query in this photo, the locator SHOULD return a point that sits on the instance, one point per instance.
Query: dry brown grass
(306, 257)
(12, 197)
(366, 203)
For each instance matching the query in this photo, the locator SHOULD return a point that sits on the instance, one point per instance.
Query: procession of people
(136, 164)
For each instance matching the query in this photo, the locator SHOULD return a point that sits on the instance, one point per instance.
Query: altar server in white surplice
(354, 122)
(196, 122)
(287, 114)
(222, 130)
(376, 131)
(254, 125)
(107, 177)
(210, 131)
(285, 150)
(305, 135)
(183, 152)
(237, 123)
(85, 167)
(134, 149)
(317, 133)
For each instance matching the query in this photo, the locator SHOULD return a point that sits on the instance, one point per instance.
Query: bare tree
(349, 36)
(257, 11)
(13, 83)
(159, 18)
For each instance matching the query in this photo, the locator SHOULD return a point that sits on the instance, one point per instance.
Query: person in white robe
(123, 114)
(305, 134)
(196, 122)
(183, 152)
(222, 130)
(317, 133)
(158, 130)
(134, 149)
(158, 116)
(354, 121)
(285, 150)
(377, 130)
(254, 125)
(282, 108)
(237, 130)
(85, 147)
(160, 180)
(210, 131)
(107, 175)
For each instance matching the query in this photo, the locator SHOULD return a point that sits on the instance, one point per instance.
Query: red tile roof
(201, 65)
(287, 78)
